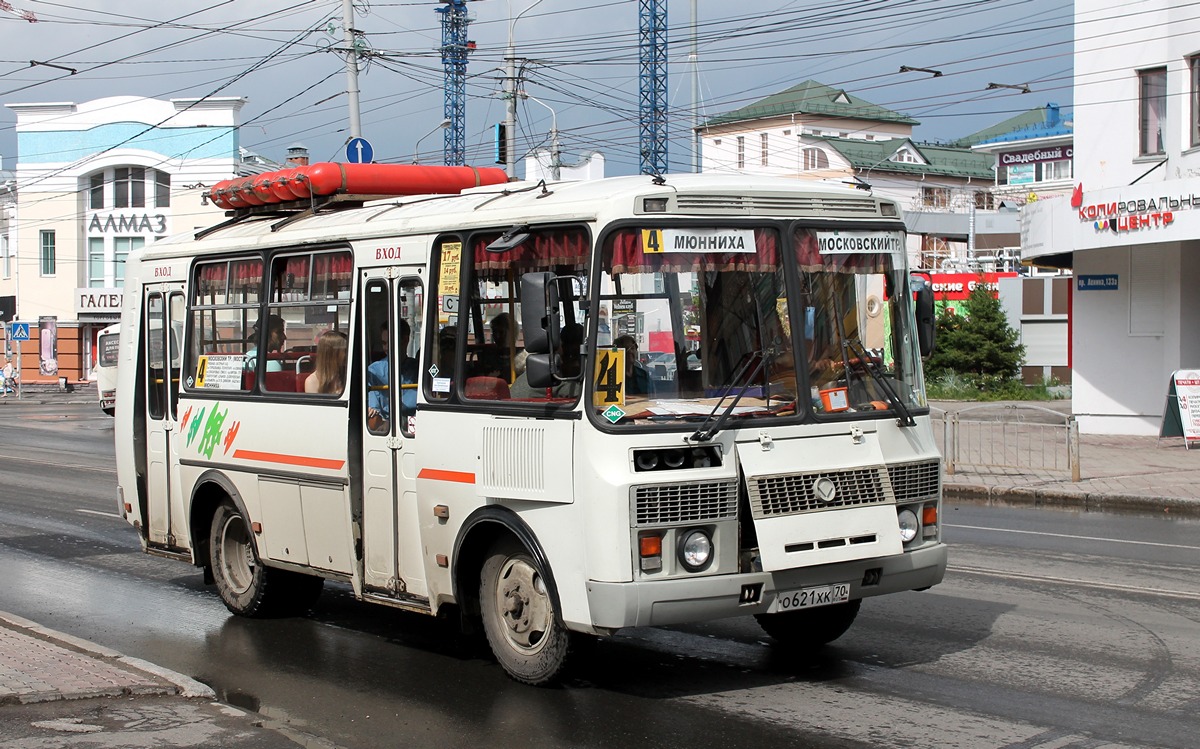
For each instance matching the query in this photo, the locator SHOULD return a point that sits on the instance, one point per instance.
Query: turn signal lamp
(929, 519)
(650, 551)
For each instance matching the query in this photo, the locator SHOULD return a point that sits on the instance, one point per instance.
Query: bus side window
(309, 296)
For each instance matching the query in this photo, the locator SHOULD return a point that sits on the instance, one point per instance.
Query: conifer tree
(979, 344)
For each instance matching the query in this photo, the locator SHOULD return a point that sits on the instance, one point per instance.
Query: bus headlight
(909, 525)
(695, 550)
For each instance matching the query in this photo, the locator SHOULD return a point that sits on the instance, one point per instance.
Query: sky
(581, 74)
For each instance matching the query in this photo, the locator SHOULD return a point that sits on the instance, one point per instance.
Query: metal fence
(1013, 437)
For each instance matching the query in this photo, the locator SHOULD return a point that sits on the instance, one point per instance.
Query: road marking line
(1080, 538)
(101, 469)
(97, 512)
(1105, 586)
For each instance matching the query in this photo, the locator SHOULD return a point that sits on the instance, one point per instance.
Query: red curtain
(543, 250)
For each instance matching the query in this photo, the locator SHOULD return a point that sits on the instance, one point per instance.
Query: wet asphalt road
(1052, 630)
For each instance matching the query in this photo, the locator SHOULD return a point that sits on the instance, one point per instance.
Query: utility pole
(652, 69)
(348, 36)
(694, 58)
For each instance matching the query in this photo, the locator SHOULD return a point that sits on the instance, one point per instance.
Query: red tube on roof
(328, 178)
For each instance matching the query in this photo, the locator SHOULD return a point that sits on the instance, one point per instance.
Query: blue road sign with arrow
(359, 151)
(19, 331)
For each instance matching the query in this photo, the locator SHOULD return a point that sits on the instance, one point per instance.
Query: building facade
(814, 131)
(94, 182)
(1131, 226)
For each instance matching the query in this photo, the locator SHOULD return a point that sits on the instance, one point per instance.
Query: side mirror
(926, 323)
(540, 313)
(538, 371)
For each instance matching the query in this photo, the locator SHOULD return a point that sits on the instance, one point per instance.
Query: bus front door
(392, 322)
(162, 325)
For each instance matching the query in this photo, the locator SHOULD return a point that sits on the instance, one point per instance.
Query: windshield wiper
(705, 432)
(869, 365)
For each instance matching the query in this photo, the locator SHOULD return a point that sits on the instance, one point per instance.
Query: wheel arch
(479, 532)
(211, 489)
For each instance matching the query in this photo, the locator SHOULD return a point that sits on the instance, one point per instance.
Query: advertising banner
(48, 345)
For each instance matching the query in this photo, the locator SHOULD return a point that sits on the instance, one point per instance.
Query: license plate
(807, 598)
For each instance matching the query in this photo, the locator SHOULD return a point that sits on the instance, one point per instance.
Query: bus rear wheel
(519, 618)
(247, 587)
(810, 628)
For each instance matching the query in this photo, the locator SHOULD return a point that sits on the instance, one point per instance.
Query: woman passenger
(329, 377)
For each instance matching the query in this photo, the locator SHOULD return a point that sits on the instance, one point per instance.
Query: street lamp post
(555, 151)
(510, 90)
(417, 148)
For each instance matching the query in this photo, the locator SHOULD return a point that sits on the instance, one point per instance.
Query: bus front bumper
(679, 600)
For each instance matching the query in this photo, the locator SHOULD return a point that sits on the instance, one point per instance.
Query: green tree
(978, 345)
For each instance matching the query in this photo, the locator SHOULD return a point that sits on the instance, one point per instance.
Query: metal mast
(455, 47)
(652, 82)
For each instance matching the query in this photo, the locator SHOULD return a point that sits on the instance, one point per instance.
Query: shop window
(741, 152)
(96, 192)
(935, 197)
(162, 189)
(1193, 64)
(122, 246)
(984, 200)
(47, 252)
(1152, 104)
(815, 158)
(96, 278)
(1056, 170)
(765, 138)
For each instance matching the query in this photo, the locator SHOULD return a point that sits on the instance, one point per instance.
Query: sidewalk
(60, 691)
(1118, 473)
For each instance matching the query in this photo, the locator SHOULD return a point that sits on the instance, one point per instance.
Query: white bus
(437, 401)
(106, 367)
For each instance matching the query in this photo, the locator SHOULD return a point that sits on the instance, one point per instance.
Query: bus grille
(663, 504)
(916, 481)
(796, 493)
(778, 205)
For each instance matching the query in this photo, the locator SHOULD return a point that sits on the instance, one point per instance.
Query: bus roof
(732, 195)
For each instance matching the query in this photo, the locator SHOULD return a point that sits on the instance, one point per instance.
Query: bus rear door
(162, 325)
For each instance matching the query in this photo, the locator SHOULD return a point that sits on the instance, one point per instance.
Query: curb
(1022, 496)
(184, 686)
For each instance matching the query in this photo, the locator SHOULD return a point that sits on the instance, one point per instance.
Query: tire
(810, 628)
(519, 617)
(247, 587)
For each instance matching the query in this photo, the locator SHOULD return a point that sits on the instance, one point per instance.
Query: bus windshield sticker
(852, 242)
(698, 240)
(448, 275)
(613, 414)
(220, 372)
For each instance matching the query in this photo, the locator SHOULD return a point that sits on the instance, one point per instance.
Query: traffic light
(501, 143)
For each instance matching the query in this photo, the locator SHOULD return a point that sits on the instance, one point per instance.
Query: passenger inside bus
(378, 374)
(499, 360)
(637, 377)
(275, 339)
(329, 377)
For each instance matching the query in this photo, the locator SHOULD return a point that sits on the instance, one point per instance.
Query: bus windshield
(808, 323)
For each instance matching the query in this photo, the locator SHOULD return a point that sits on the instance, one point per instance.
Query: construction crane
(455, 47)
(652, 85)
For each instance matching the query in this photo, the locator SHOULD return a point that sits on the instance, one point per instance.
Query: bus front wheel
(247, 587)
(810, 627)
(522, 626)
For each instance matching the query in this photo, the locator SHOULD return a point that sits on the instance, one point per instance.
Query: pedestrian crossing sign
(18, 331)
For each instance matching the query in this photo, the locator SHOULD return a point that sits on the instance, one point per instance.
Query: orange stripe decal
(291, 460)
(439, 475)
